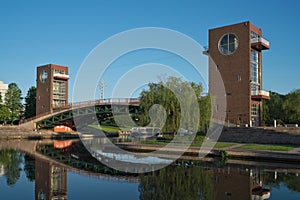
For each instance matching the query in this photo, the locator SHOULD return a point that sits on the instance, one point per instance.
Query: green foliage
(266, 147)
(291, 107)
(4, 114)
(106, 129)
(13, 102)
(205, 104)
(178, 109)
(221, 145)
(283, 108)
(30, 102)
(224, 156)
(272, 109)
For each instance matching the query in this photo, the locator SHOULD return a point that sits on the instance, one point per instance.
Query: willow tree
(171, 95)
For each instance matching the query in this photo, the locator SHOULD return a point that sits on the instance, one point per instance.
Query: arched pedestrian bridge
(104, 109)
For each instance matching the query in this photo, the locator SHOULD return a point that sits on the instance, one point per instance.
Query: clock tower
(52, 88)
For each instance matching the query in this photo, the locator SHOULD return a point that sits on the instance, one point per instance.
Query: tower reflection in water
(237, 183)
(50, 181)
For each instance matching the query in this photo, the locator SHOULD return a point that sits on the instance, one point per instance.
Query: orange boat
(62, 129)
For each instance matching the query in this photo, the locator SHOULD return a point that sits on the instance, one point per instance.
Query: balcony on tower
(260, 94)
(60, 74)
(260, 43)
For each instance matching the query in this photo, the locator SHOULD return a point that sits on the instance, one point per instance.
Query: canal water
(44, 170)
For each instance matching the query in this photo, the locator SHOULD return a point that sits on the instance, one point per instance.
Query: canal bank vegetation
(196, 142)
(222, 145)
(106, 128)
(266, 147)
(285, 109)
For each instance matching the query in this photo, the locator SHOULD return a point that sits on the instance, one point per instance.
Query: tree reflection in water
(274, 179)
(177, 182)
(10, 165)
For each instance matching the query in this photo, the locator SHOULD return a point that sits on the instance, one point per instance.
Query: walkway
(233, 152)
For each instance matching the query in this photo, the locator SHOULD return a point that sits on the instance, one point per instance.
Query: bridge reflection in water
(182, 180)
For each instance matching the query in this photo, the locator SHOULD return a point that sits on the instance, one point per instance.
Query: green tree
(158, 94)
(205, 113)
(13, 101)
(30, 102)
(272, 109)
(4, 114)
(291, 107)
(164, 94)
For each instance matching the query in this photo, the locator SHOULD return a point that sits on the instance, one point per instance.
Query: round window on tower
(228, 44)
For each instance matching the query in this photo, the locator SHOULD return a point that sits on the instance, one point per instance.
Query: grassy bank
(106, 129)
(266, 147)
(197, 142)
(219, 145)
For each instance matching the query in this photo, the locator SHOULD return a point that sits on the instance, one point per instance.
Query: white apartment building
(3, 89)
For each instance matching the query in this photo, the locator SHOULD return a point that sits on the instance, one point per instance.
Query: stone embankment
(17, 132)
(261, 135)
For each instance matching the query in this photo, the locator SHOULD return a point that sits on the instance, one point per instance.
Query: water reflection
(50, 180)
(9, 164)
(49, 168)
(199, 183)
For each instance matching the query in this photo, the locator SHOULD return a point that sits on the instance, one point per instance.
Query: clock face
(228, 44)
(43, 76)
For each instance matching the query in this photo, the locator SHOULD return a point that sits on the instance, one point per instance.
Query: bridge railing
(22, 121)
(108, 101)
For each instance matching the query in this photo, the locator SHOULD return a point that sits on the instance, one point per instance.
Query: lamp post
(102, 86)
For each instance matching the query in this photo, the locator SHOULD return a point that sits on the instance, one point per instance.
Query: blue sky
(34, 33)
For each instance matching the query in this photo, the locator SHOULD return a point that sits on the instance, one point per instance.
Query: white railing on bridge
(106, 102)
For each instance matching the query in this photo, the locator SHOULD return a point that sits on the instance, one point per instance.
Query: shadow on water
(47, 163)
